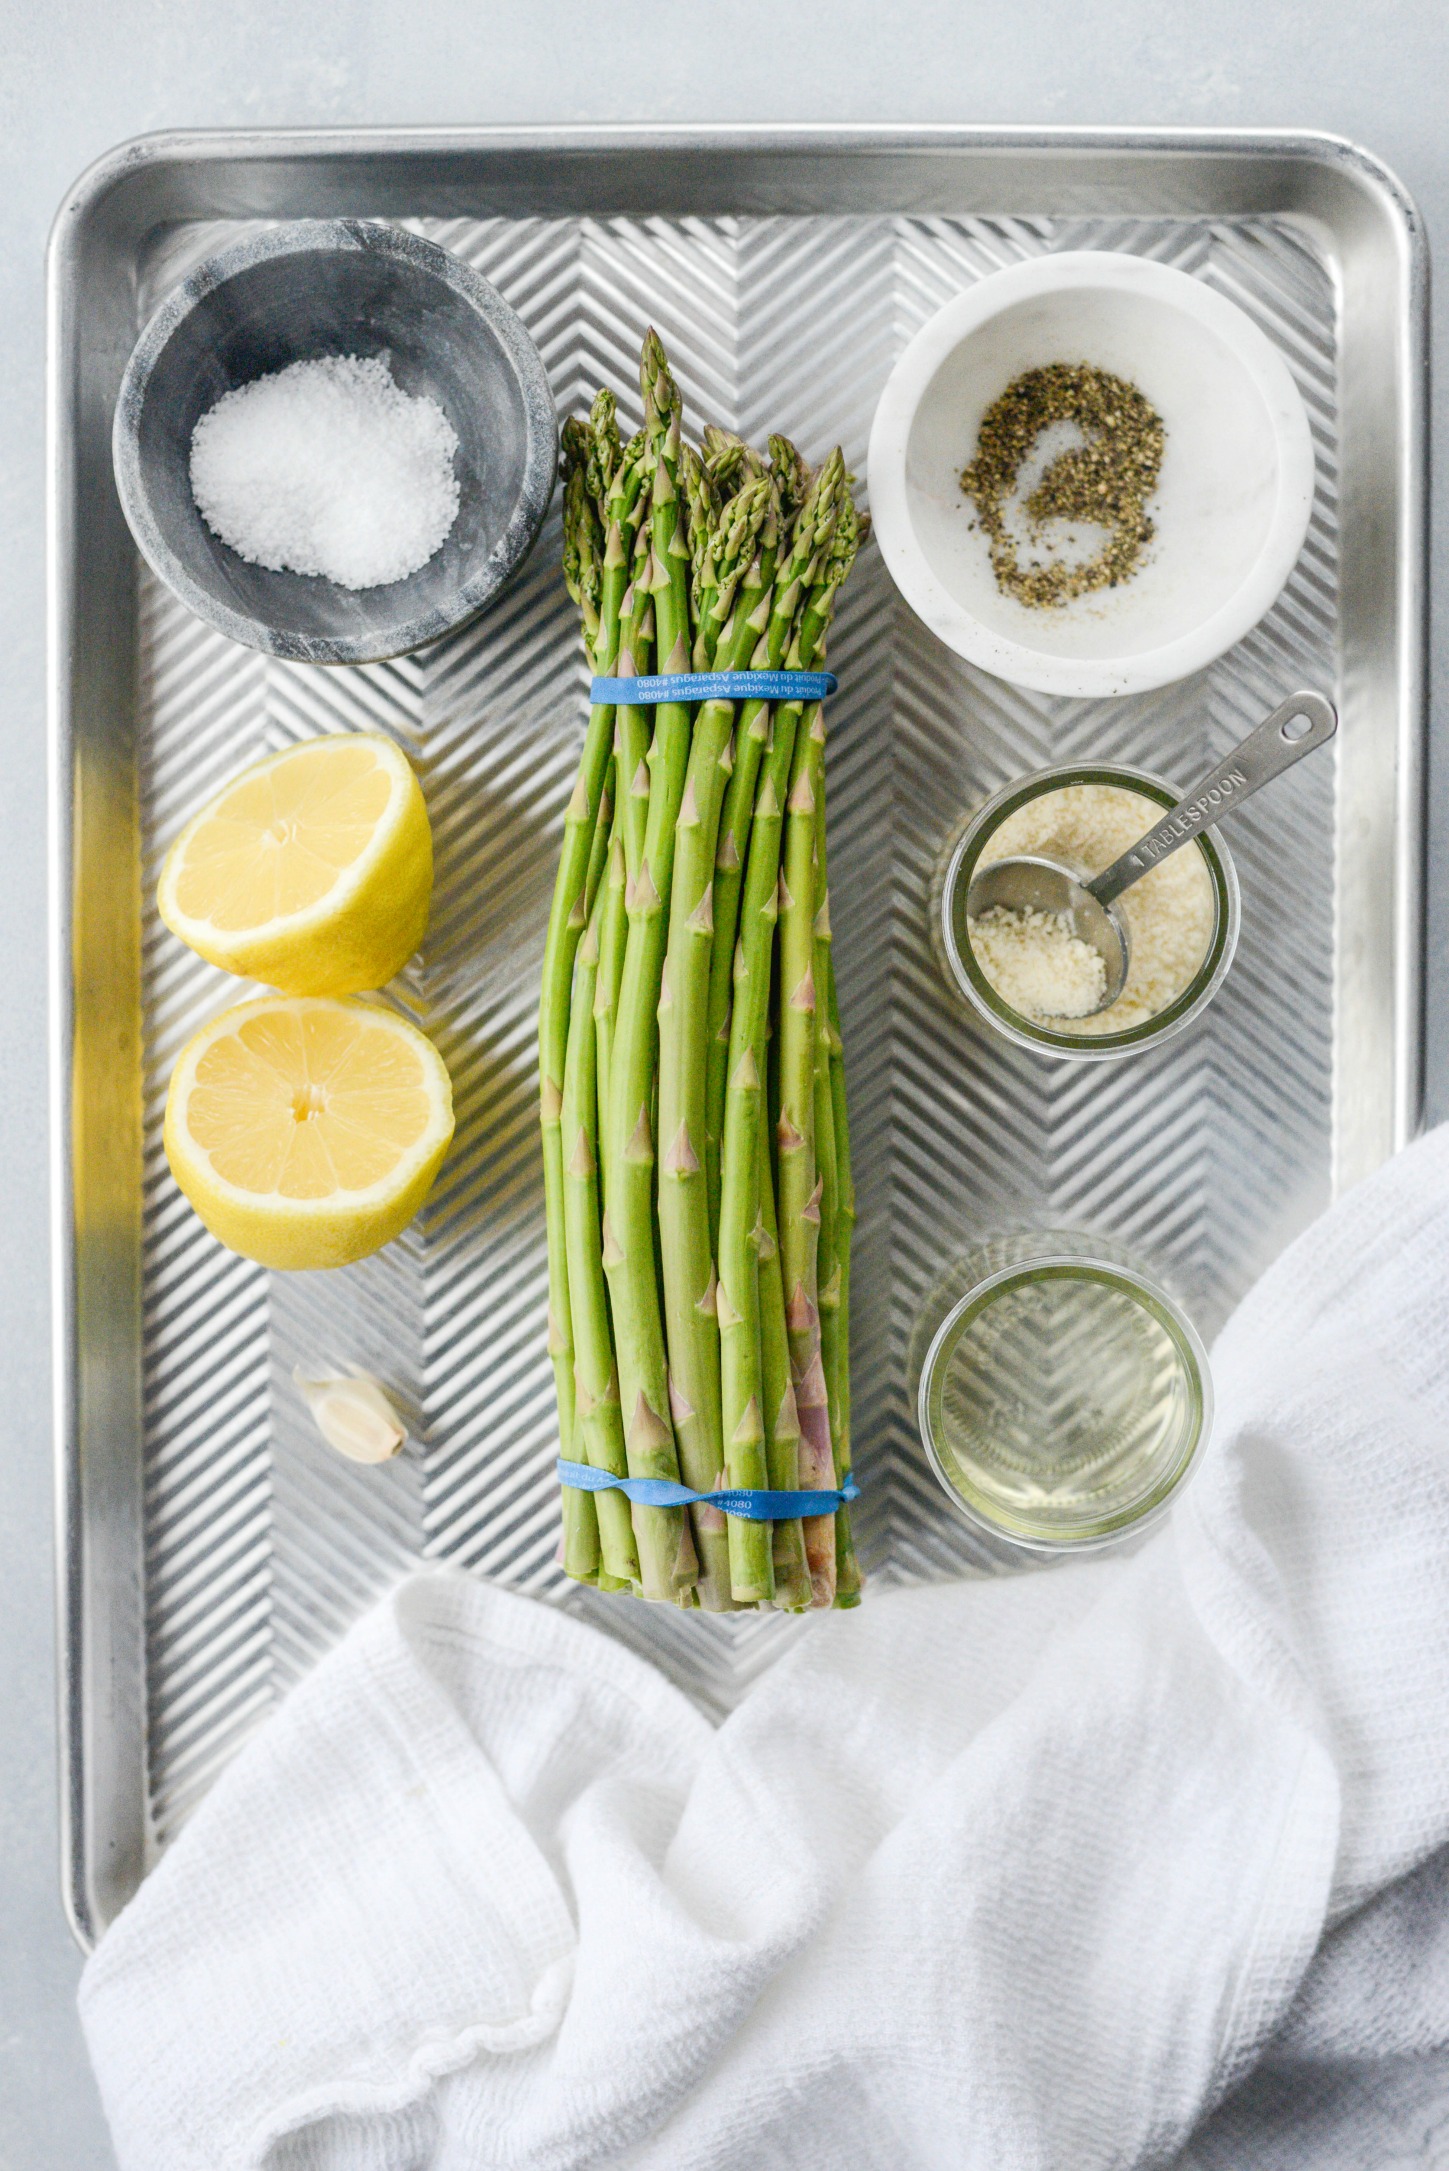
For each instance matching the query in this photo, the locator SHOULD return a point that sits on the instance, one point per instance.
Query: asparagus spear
(791, 471)
(666, 1553)
(848, 1577)
(579, 1550)
(602, 449)
(599, 1426)
(631, 769)
(743, 1386)
(687, 1252)
(595, 572)
(826, 1168)
(573, 453)
(834, 1351)
(782, 1423)
(851, 536)
(613, 933)
(583, 574)
(728, 460)
(581, 1518)
(632, 726)
(701, 508)
(799, 1187)
(595, 567)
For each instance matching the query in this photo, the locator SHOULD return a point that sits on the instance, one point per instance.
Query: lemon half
(305, 1131)
(311, 872)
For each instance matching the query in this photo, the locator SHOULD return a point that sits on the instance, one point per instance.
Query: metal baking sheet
(211, 1548)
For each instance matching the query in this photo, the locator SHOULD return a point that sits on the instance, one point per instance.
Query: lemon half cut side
(307, 1131)
(311, 871)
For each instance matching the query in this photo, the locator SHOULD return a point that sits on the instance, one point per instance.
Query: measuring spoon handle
(1264, 754)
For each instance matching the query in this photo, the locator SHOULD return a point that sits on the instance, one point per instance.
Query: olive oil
(1062, 1398)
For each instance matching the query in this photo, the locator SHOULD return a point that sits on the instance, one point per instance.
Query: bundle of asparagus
(696, 1154)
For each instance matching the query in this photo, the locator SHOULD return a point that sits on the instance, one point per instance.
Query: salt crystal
(327, 467)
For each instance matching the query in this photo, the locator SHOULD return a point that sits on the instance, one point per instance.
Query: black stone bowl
(338, 286)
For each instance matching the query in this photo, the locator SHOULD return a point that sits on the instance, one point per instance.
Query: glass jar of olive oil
(1063, 1397)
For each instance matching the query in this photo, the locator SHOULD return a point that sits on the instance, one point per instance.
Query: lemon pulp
(311, 871)
(307, 1131)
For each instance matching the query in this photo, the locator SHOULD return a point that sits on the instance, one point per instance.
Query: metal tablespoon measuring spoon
(1298, 726)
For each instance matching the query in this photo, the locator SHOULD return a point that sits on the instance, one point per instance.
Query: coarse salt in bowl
(362, 291)
(328, 467)
(1233, 499)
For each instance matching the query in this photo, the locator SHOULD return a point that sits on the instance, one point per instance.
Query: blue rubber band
(648, 693)
(660, 1492)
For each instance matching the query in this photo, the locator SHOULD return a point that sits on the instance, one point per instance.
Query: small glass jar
(1063, 1397)
(958, 959)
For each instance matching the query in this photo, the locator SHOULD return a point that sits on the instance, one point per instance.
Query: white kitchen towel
(1014, 1873)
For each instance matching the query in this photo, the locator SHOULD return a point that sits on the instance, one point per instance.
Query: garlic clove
(353, 1415)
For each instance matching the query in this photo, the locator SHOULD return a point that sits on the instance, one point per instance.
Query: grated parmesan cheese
(1169, 914)
(1035, 963)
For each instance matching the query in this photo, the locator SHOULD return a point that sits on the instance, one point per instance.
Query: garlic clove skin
(353, 1415)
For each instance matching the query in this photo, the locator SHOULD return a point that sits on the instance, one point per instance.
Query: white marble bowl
(1232, 505)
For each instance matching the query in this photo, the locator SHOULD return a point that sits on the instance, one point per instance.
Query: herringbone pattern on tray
(261, 1544)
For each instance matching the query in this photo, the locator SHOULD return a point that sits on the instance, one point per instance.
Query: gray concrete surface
(79, 75)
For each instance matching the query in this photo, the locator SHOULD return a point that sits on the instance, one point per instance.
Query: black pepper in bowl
(1107, 479)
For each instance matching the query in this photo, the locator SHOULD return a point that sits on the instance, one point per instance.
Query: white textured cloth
(1013, 1874)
